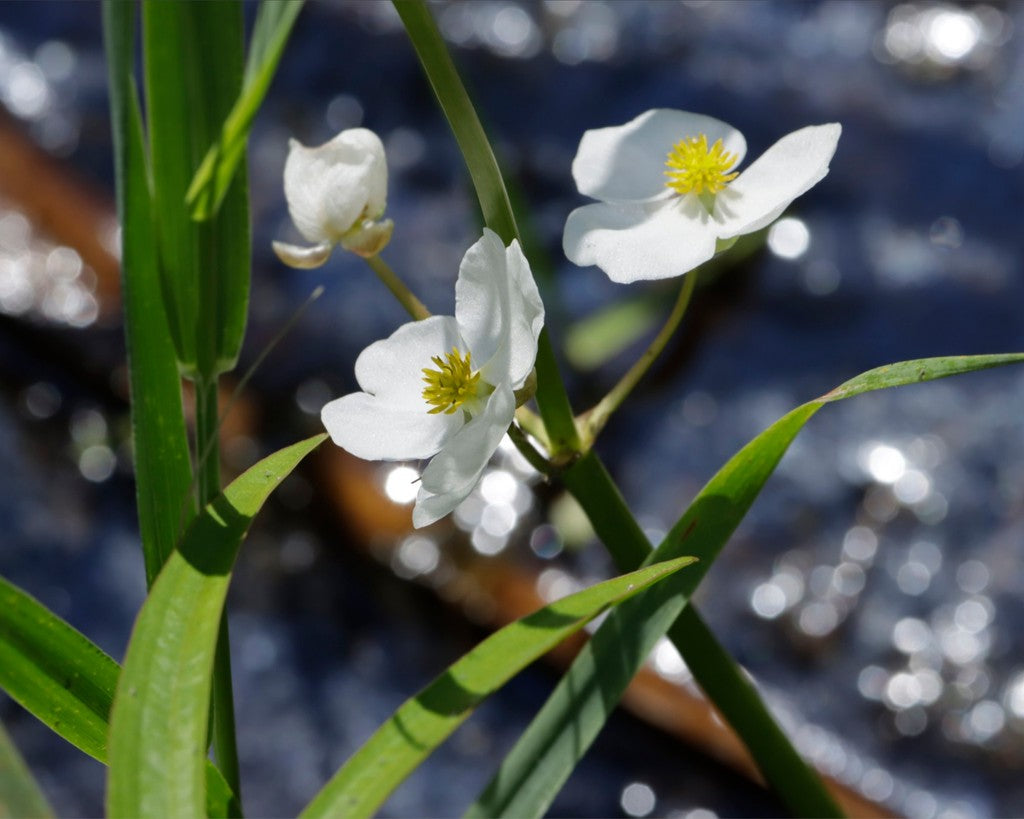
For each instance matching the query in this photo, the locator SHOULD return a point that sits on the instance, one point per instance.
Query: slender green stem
(593, 487)
(208, 488)
(533, 425)
(207, 468)
(553, 402)
(738, 701)
(528, 450)
(398, 288)
(594, 420)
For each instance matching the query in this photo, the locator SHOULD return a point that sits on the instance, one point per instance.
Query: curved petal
(526, 315)
(635, 242)
(481, 297)
(392, 369)
(367, 141)
(331, 186)
(431, 508)
(368, 238)
(303, 258)
(498, 309)
(459, 463)
(371, 428)
(627, 162)
(789, 168)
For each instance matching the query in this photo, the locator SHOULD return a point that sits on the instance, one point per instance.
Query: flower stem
(208, 488)
(398, 288)
(593, 421)
(528, 450)
(533, 425)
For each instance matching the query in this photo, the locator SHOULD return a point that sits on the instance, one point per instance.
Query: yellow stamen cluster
(693, 167)
(451, 384)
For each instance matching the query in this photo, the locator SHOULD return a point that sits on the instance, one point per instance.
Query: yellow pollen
(451, 384)
(693, 167)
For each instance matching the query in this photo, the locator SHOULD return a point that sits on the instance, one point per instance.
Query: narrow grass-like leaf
(911, 372)
(490, 190)
(426, 720)
(559, 735)
(67, 682)
(159, 440)
(20, 795)
(158, 726)
(462, 116)
(55, 672)
(193, 70)
(274, 22)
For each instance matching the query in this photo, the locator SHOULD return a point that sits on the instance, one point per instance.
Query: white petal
(331, 186)
(526, 315)
(377, 187)
(627, 162)
(371, 428)
(430, 508)
(481, 297)
(459, 463)
(392, 369)
(368, 238)
(789, 168)
(635, 242)
(303, 258)
(499, 309)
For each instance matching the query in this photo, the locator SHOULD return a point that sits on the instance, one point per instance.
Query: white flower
(336, 192)
(444, 386)
(668, 193)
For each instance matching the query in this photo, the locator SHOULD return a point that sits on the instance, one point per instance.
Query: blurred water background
(875, 590)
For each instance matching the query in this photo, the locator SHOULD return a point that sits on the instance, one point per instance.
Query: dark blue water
(873, 590)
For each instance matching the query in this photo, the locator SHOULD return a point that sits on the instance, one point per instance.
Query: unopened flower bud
(337, 193)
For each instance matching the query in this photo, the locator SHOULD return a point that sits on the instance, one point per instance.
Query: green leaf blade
(193, 75)
(210, 185)
(20, 794)
(54, 672)
(67, 682)
(919, 370)
(424, 721)
(158, 726)
(159, 439)
(559, 735)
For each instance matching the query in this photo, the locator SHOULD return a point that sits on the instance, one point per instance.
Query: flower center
(452, 384)
(693, 167)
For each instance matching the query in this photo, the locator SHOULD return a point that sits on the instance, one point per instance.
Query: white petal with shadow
(526, 318)
(330, 186)
(392, 369)
(376, 430)
(639, 242)
(481, 297)
(499, 309)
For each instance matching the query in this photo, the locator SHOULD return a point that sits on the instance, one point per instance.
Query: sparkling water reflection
(873, 582)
